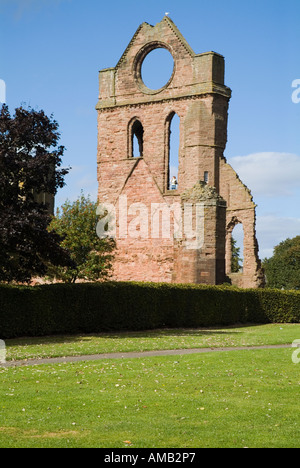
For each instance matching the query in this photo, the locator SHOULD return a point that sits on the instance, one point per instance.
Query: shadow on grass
(157, 333)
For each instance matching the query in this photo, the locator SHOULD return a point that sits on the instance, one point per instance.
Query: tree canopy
(30, 159)
(76, 223)
(283, 268)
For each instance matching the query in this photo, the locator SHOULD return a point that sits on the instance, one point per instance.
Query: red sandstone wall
(196, 92)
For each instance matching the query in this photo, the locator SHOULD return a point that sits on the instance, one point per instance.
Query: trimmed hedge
(115, 306)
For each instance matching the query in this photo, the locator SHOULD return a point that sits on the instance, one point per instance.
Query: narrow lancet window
(137, 139)
(173, 123)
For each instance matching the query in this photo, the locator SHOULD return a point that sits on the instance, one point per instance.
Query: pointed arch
(237, 241)
(172, 141)
(135, 138)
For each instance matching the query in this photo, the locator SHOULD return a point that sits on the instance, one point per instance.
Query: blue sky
(51, 52)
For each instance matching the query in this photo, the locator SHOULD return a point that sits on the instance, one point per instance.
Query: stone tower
(164, 235)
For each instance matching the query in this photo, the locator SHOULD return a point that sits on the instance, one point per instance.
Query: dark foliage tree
(30, 159)
(283, 268)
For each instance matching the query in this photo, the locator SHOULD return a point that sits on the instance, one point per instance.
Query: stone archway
(236, 277)
(252, 274)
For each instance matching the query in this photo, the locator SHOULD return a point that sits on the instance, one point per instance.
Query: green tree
(235, 257)
(29, 163)
(76, 224)
(283, 268)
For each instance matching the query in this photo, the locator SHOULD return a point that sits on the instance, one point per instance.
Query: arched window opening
(237, 248)
(173, 151)
(206, 177)
(137, 139)
(157, 68)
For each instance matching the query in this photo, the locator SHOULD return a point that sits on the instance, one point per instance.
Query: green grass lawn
(245, 398)
(56, 346)
(226, 399)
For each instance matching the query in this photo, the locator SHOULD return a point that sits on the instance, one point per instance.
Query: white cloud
(269, 174)
(273, 178)
(271, 230)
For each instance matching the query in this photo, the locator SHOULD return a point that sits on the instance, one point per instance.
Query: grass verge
(224, 399)
(57, 346)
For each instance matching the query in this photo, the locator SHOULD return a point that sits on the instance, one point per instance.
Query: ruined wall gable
(194, 74)
(165, 31)
(128, 84)
(233, 190)
(241, 210)
(130, 112)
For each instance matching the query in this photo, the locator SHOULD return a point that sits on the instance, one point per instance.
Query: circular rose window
(154, 68)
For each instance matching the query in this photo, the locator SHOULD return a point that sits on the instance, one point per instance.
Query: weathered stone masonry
(126, 107)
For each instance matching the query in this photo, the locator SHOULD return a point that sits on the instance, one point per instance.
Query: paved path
(130, 355)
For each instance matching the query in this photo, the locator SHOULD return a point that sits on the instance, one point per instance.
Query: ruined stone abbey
(151, 217)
